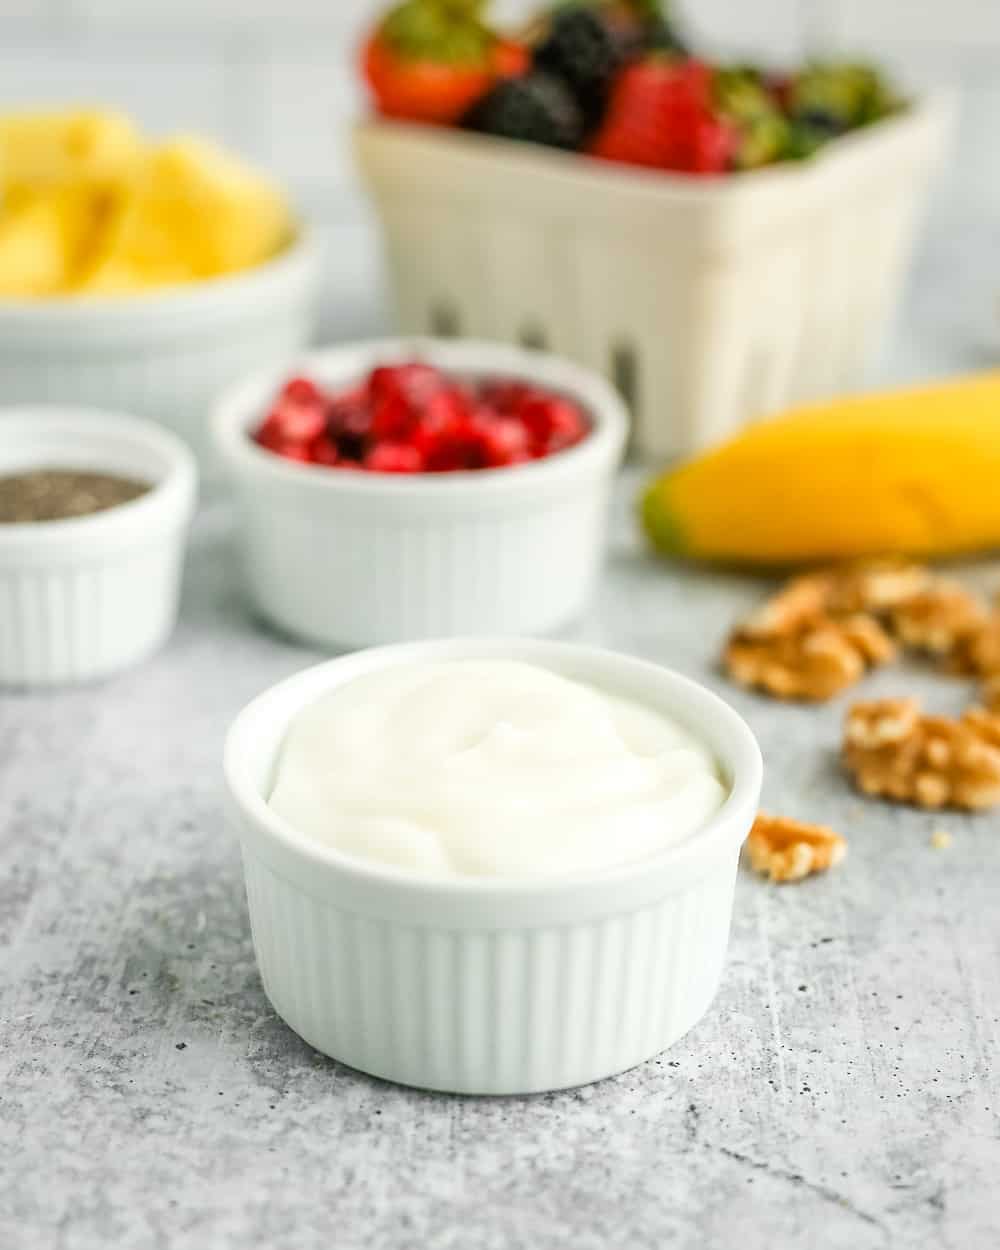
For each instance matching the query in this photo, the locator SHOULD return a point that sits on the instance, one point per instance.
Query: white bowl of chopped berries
(405, 489)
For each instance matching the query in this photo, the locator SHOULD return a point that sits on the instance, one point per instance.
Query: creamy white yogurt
(490, 768)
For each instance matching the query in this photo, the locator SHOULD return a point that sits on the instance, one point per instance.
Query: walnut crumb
(788, 850)
(876, 585)
(978, 651)
(891, 749)
(800, 602)
(938, 619)
(941, 839)
(991, 694)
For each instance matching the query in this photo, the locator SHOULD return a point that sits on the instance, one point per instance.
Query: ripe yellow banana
(914, 472)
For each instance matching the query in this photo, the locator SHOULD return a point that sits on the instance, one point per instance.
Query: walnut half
(788, 850)
(815, 659)
(891, 749)
(938, 619)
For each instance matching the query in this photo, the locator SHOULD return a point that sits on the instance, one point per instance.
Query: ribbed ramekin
(482, 985)
(163, 354)
(350, 559)
(82, 598)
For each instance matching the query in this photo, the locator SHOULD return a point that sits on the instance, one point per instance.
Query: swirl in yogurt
(491, 768)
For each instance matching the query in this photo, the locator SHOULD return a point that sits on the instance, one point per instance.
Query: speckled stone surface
(842, 1093)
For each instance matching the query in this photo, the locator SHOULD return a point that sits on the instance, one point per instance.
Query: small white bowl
(84, 597)
(163, 354)
(482, 985)
(346, 558)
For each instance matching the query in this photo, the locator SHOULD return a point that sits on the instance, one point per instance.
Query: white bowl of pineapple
(141, 276)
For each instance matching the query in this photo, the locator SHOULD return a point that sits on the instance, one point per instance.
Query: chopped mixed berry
(614, 78)
(412, 418)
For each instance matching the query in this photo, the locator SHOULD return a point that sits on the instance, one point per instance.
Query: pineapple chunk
(33, 254)
(192, 212)
(44, 235)
(87, 205)
(47, 149)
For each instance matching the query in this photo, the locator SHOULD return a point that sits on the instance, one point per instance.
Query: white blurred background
(276, 80)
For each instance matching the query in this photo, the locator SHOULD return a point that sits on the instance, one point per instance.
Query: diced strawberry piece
(503, 395)
(412, 381)
(392, 418)
(301, 423)
(552, 422)
(302, 391)
(399, 394)
(462, 446)
(505, 440)
(410, 418)
(486, 441)
(269, 431)
(442, 417)
(394, 458)
(299, 412)
(324, 450)
(349, 423)
(446, 455)
(348, 410)
(291, 451)
(566, 426)
(271, 437)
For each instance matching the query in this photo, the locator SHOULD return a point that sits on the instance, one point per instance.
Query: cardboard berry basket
(707, 301)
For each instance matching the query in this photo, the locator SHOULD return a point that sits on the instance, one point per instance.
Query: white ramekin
(709, 300)
(82, 598)
(163, 354)
(344, 558)
(483, 985)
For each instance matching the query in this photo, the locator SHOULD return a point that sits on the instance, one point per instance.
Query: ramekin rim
(231, 415)
(745, 767)
(174, 491)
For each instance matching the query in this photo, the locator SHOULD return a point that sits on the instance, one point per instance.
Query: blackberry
(822, 121)
(536, 107)
(585, 48)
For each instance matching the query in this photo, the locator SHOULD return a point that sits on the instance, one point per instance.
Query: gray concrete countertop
(842, 1092)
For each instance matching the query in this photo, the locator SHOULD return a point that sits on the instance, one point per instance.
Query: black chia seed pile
(60, 494)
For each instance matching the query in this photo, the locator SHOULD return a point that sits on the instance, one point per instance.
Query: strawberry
(302, 391)
(444, 414)
(324, 451)
(394, 458)
(430, 60)
(504, 441)
(711, 146)
(408, 417)
(661, 115)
